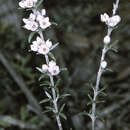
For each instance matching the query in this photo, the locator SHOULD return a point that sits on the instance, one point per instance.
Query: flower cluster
(51, 68)
(41, 46)
(110, 21)
(27, 3)
(37, 20)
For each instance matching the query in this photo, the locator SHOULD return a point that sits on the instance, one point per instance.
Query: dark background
(80, 34)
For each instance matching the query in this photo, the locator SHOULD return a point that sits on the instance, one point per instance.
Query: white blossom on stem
(53, 68)
(113, 21)
(104, 64)
(44, 67)
(104, 17)
(107, 39)
(27, 3)
(30, 23)
(44, 22)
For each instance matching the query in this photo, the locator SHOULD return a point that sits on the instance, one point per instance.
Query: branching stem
(56, 111)
(100, 71)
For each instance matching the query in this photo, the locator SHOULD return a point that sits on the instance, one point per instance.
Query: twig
(100, 71)
(12, 121)
(31, 99)
(53, 92)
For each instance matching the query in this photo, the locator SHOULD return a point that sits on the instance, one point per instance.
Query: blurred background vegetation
(80, 34)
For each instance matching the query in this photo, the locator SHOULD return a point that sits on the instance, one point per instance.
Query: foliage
(80, 34)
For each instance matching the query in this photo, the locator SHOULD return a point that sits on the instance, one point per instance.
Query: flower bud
(44, 67)
(104, 17)
(107, 39)
(104, 64)
(114, 20)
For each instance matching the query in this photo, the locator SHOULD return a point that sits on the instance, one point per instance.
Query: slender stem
(56, 111)
(100, 71)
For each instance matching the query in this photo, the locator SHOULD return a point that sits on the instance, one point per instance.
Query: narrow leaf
(62, 107)
(44, 101)
(48, 95)
(39, 3)
(54, 46)
(64, 95)
(51, 56)
(31, 36)
(63, 69)
(63, 116)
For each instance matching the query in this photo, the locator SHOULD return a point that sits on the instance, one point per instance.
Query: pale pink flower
(53, 68)
(43, 49)
(44, 67)
(49, 43)
(44, 22)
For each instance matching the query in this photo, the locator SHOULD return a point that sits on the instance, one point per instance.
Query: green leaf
(65, 95)
(54, 46)
(39, 3)
(41, 77)
(54, 23)
(4, 124)
(48, 95)
(111, 46)
(46, 111)
(109, 70)
(63, 69)
(83, 113)
(44, 101)
(57, 82)
(31, 36)
(46, 83)
(63, 116)
(89, 103)
(23, 113)
(39, 69)
(51, 56)
(49, 108)
(62, 107)
(90, 97)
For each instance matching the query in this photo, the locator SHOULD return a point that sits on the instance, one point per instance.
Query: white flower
(27, 3)
(43, 12)
(49, 43)
(43, 49)
(114, 20)
(44, 23)
(104, 17)
(52, 63)
(53, 68)
(33, 47)
(104, 64)
(22, 4)
(30, 23)
(32, 17)
(107, 39)
(44, 67)
(41, 15)
(39, 41)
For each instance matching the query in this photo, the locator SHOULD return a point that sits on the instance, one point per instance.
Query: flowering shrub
(111, 22)
(37, 22)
